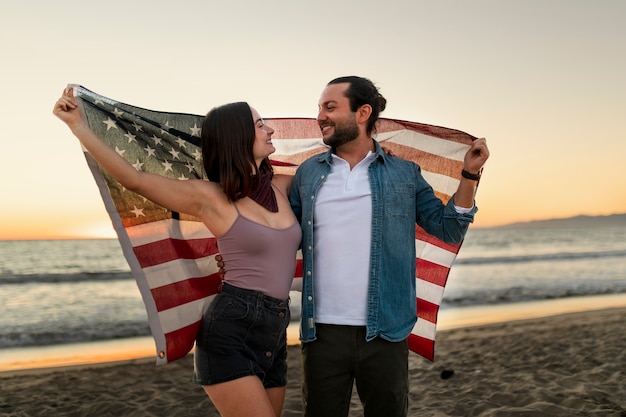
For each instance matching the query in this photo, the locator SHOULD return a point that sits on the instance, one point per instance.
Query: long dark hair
(227, 139)
(363, 91)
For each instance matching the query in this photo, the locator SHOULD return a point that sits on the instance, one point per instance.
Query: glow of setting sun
(101, 230)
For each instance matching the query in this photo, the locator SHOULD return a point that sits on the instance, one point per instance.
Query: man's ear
(363, 113)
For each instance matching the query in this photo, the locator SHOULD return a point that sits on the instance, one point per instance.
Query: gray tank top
(260, 258)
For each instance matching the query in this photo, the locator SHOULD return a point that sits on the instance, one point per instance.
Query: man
(358, 208)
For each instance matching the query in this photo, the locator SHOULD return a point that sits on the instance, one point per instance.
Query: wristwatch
(470, 176)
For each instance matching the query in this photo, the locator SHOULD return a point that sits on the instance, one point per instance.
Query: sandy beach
(570, 364)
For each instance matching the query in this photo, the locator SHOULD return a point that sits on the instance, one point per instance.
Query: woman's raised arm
(192, 197)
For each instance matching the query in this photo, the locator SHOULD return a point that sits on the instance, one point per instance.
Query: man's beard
(343, 133)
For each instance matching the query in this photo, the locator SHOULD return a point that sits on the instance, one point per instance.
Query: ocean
(56, 292)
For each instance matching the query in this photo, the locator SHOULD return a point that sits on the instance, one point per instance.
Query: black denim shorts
(243, 333)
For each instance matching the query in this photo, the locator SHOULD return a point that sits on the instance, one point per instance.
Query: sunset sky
(544, 81)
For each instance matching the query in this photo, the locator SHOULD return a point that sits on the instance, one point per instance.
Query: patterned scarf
(262, 191)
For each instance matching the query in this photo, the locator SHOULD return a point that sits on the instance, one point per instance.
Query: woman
(240, 357)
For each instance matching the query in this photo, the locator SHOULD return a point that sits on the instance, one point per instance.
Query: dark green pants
(339, 357)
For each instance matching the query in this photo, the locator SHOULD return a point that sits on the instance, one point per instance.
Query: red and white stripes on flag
(172, 255)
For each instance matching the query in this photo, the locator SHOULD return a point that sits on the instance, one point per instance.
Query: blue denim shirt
(400, 199)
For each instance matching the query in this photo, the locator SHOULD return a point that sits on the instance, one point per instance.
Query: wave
(560, 256)
(521, 294)
(38, 336)
(64, 278)
(96, 328)
(66, 333)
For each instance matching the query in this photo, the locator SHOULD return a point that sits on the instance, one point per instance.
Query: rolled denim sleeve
(442, 221)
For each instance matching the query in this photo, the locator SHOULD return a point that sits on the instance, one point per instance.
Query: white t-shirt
(341, 251)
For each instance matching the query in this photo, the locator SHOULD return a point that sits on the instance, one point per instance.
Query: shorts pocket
(228, 307)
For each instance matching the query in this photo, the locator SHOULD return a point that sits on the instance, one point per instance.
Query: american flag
(172, 255)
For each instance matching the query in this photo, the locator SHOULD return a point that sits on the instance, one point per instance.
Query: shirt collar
(378, 154)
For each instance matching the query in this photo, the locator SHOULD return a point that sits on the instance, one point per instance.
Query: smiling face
(262, 146)
(335, 118)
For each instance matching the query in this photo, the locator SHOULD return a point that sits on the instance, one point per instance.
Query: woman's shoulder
(283, 181)
(208, 194)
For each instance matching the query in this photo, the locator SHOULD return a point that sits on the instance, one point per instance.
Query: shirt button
(308, 273)
(309, 222)
(322, 177)
(268, 354)
(310, 298)
(281, 314)
(312, 197)
(310, 247)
